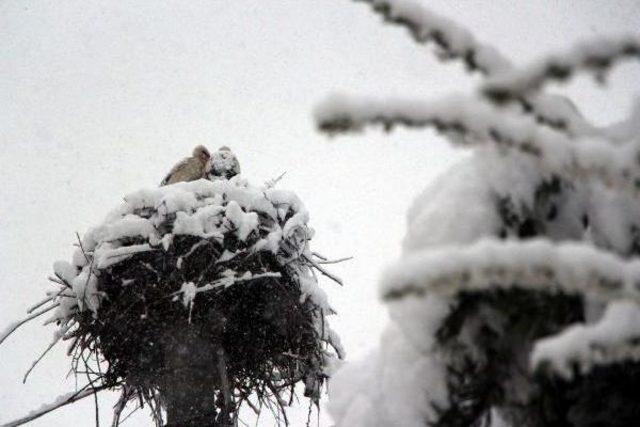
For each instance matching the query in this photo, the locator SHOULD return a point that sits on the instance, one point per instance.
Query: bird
(190, 168)
(223, 164)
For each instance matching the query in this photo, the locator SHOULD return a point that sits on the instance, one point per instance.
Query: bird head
(201, 153)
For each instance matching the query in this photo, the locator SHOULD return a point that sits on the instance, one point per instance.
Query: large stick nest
(203, 282)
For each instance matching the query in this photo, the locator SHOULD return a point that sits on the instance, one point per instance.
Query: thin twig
(316, 254)
(58, 404)
(81, 247)
(323, 271)
(16, 325)
(95, 397)
(59, 336)
(120, 405)
(44, 301)
(335, 261)
(272, 182)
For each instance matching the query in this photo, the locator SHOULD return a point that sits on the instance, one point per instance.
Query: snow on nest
(199, 208)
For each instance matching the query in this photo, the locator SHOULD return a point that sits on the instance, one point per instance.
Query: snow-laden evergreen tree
(515, 301)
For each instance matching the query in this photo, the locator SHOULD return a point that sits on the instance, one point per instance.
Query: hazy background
(98, 99)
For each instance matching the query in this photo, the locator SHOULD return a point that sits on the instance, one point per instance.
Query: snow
(270, 243)
(230, 277)
(389, 387)
(295, 222)
(559, 109)
(628, 128)
(614, 338)
(201, 208)
(244, 222)
(201, 223)
(472, 118)
(612, 216)
(459, 201)
(222, 163)
(106, 254)
(538, 264)
(128, 226)
(85, 288)
(189, 291)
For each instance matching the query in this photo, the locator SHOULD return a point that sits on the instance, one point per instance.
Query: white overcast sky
(100, 98)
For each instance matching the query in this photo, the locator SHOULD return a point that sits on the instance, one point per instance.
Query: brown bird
(189, 169)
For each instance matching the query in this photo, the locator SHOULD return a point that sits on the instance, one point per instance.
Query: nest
(200, 297)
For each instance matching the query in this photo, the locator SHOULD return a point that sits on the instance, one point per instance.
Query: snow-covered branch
(456, 114)
(456, 42)
(452, 40)
(595, 56)
(542, 265)
(190, 290)
(614, 338)
(474, 122)
(628, 128)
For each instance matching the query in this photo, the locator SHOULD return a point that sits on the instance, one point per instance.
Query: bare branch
(323, 271)
(274, 181)
(319, 255)
(58, 403)
(121, 404)
(58, 336)
(12, 327)
(43, 302)
(335, 261)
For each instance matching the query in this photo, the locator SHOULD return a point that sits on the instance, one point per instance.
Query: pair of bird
(222, 164)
